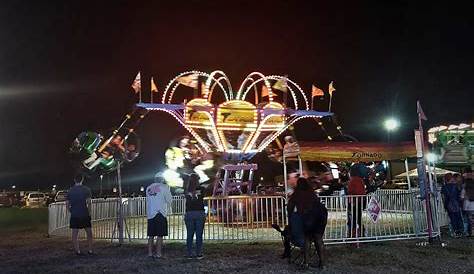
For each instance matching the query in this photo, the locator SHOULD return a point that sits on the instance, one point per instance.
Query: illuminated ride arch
(207, 92)
(235, 125)
(290, 85)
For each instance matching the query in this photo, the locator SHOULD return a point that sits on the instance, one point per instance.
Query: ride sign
(374, 210)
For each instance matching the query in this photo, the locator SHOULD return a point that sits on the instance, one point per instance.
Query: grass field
(25, 248)
(23, 219)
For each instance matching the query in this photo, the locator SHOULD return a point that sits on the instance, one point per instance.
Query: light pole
(100, 190)
(390, 124)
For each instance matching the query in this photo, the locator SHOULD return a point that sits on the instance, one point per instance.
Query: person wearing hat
(158, 199)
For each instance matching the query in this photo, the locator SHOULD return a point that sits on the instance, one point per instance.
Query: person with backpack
(307, 219)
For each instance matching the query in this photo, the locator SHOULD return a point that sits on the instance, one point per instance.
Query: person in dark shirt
(195, 216)
(307, 220)
(77, 202)
(452, 204)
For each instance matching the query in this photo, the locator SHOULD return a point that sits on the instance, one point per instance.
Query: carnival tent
(356, 152)
(414, 173)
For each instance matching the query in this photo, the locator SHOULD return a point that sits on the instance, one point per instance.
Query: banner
(373, 210)
(418, 144)
(420, 167)
(356, 152)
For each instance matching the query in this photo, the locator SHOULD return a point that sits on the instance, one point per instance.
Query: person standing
(158, 199)
(195, 216)
(452, 203)
(467, 195)
(78, 202)
(464, 214)
(355, 203)
(307, 220)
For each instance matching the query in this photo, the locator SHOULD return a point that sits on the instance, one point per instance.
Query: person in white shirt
(158, 199)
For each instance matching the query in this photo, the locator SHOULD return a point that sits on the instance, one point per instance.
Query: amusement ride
(226, 127)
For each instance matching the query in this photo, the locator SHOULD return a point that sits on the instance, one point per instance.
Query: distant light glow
(391, 124)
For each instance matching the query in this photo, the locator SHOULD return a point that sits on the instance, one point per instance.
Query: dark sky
(66, 66)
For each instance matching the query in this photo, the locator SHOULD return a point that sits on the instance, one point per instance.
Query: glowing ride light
(234, 126)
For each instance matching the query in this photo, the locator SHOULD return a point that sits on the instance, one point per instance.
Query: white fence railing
(250, 218)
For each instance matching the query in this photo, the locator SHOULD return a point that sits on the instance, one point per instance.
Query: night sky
(66, 67)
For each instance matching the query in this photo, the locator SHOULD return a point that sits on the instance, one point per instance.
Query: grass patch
(23, 219)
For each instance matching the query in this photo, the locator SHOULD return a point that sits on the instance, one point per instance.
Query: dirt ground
(34, 252)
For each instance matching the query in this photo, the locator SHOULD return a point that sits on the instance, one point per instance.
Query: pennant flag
(281, 85)
(266, 93)
(153, 86)
(189, 80)
(331, 88)
(137, 84)
(420, 112)
(316, 91)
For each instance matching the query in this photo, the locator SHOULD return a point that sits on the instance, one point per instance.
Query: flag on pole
(281, 85)
(189, 80)
(266, 93)
(420, 112)
(315, 91)
(331, 88)
(153, 86)
(137, 84)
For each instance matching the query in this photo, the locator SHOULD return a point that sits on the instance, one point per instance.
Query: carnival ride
(454, 144)
(93, 154)
(231, 125)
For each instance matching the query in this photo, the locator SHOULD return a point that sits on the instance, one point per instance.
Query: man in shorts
(158, 199)
(78, 202)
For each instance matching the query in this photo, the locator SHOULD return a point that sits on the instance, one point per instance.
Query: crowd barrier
(249, 218)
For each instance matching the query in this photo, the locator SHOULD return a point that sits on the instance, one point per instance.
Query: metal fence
(249, 218)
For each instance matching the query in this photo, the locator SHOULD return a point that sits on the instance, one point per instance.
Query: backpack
(315, 219)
